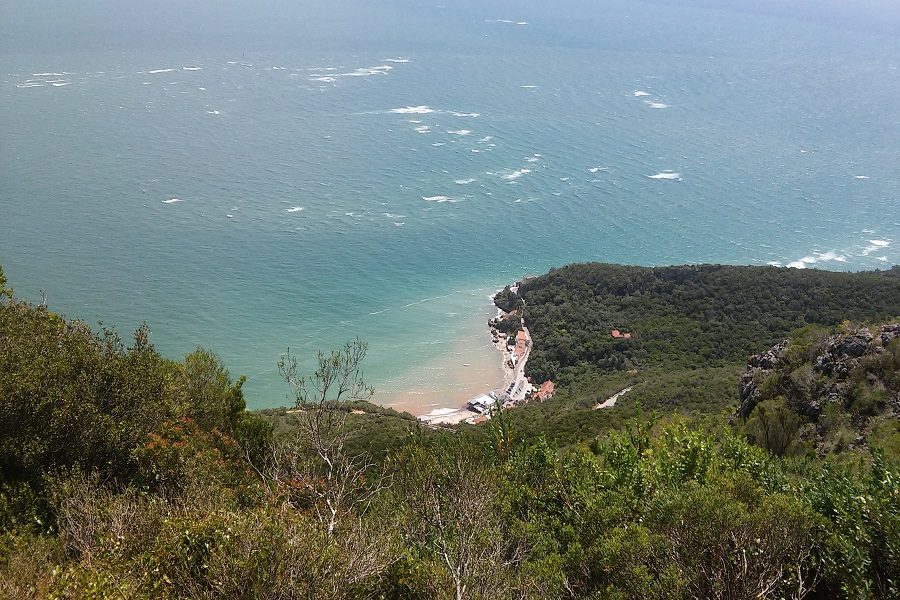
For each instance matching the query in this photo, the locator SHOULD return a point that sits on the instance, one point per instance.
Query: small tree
(317, 469)
(775, 426)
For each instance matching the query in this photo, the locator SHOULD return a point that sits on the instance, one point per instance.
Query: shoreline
(514, 388)
(465, 367)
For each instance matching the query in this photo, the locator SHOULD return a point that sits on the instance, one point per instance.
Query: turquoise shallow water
(382, 173)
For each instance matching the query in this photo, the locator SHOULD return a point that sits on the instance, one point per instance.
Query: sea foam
(668, 175)
(413, 110)
(294, 209)
(171, 201)
(875, 245)
(516, 174)
(817, 257)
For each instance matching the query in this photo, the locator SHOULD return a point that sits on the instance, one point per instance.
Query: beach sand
(470, 366)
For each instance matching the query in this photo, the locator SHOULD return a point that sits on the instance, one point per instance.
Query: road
(520, 382)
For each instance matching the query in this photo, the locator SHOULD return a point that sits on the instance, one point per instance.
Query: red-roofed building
(546, 391)
(521, 344)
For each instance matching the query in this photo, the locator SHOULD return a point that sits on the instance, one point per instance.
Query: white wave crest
(657, 105)
(171, 201)
(460, 132)
(875, 245)
(817, 257)
(413, 110)
(668, 175)
(439, 199)
(801, 263)
(639, 94)
(367, 71)
(155, 71)
(294, 209)
(512, 176)
(464, 181)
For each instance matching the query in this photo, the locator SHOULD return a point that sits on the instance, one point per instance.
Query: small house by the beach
(482, 404)
(546, 391)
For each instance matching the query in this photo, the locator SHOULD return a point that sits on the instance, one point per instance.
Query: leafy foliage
(681, 317)
(123, 474)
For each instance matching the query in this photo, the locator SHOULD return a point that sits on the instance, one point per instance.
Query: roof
(546, 391)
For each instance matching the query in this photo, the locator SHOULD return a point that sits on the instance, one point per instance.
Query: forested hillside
(685, 317)
(124, 474)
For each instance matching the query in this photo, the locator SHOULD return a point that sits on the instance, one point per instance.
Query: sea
(273, 176)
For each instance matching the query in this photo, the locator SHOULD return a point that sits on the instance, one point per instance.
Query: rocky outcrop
(759, 366)
(507, 300)
(889, 333)
(840, 352)
(826, 374)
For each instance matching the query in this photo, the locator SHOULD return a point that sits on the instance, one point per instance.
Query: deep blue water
(378, 169)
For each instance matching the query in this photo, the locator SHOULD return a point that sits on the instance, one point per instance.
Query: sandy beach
(470, 366)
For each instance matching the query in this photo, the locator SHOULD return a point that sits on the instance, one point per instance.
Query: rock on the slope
(889, 333)
(841, 351)
(760, 365)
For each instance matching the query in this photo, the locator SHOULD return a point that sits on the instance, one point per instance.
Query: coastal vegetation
(692, 330)
(126, 474)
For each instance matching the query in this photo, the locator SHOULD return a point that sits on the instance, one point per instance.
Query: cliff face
(853, 374)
